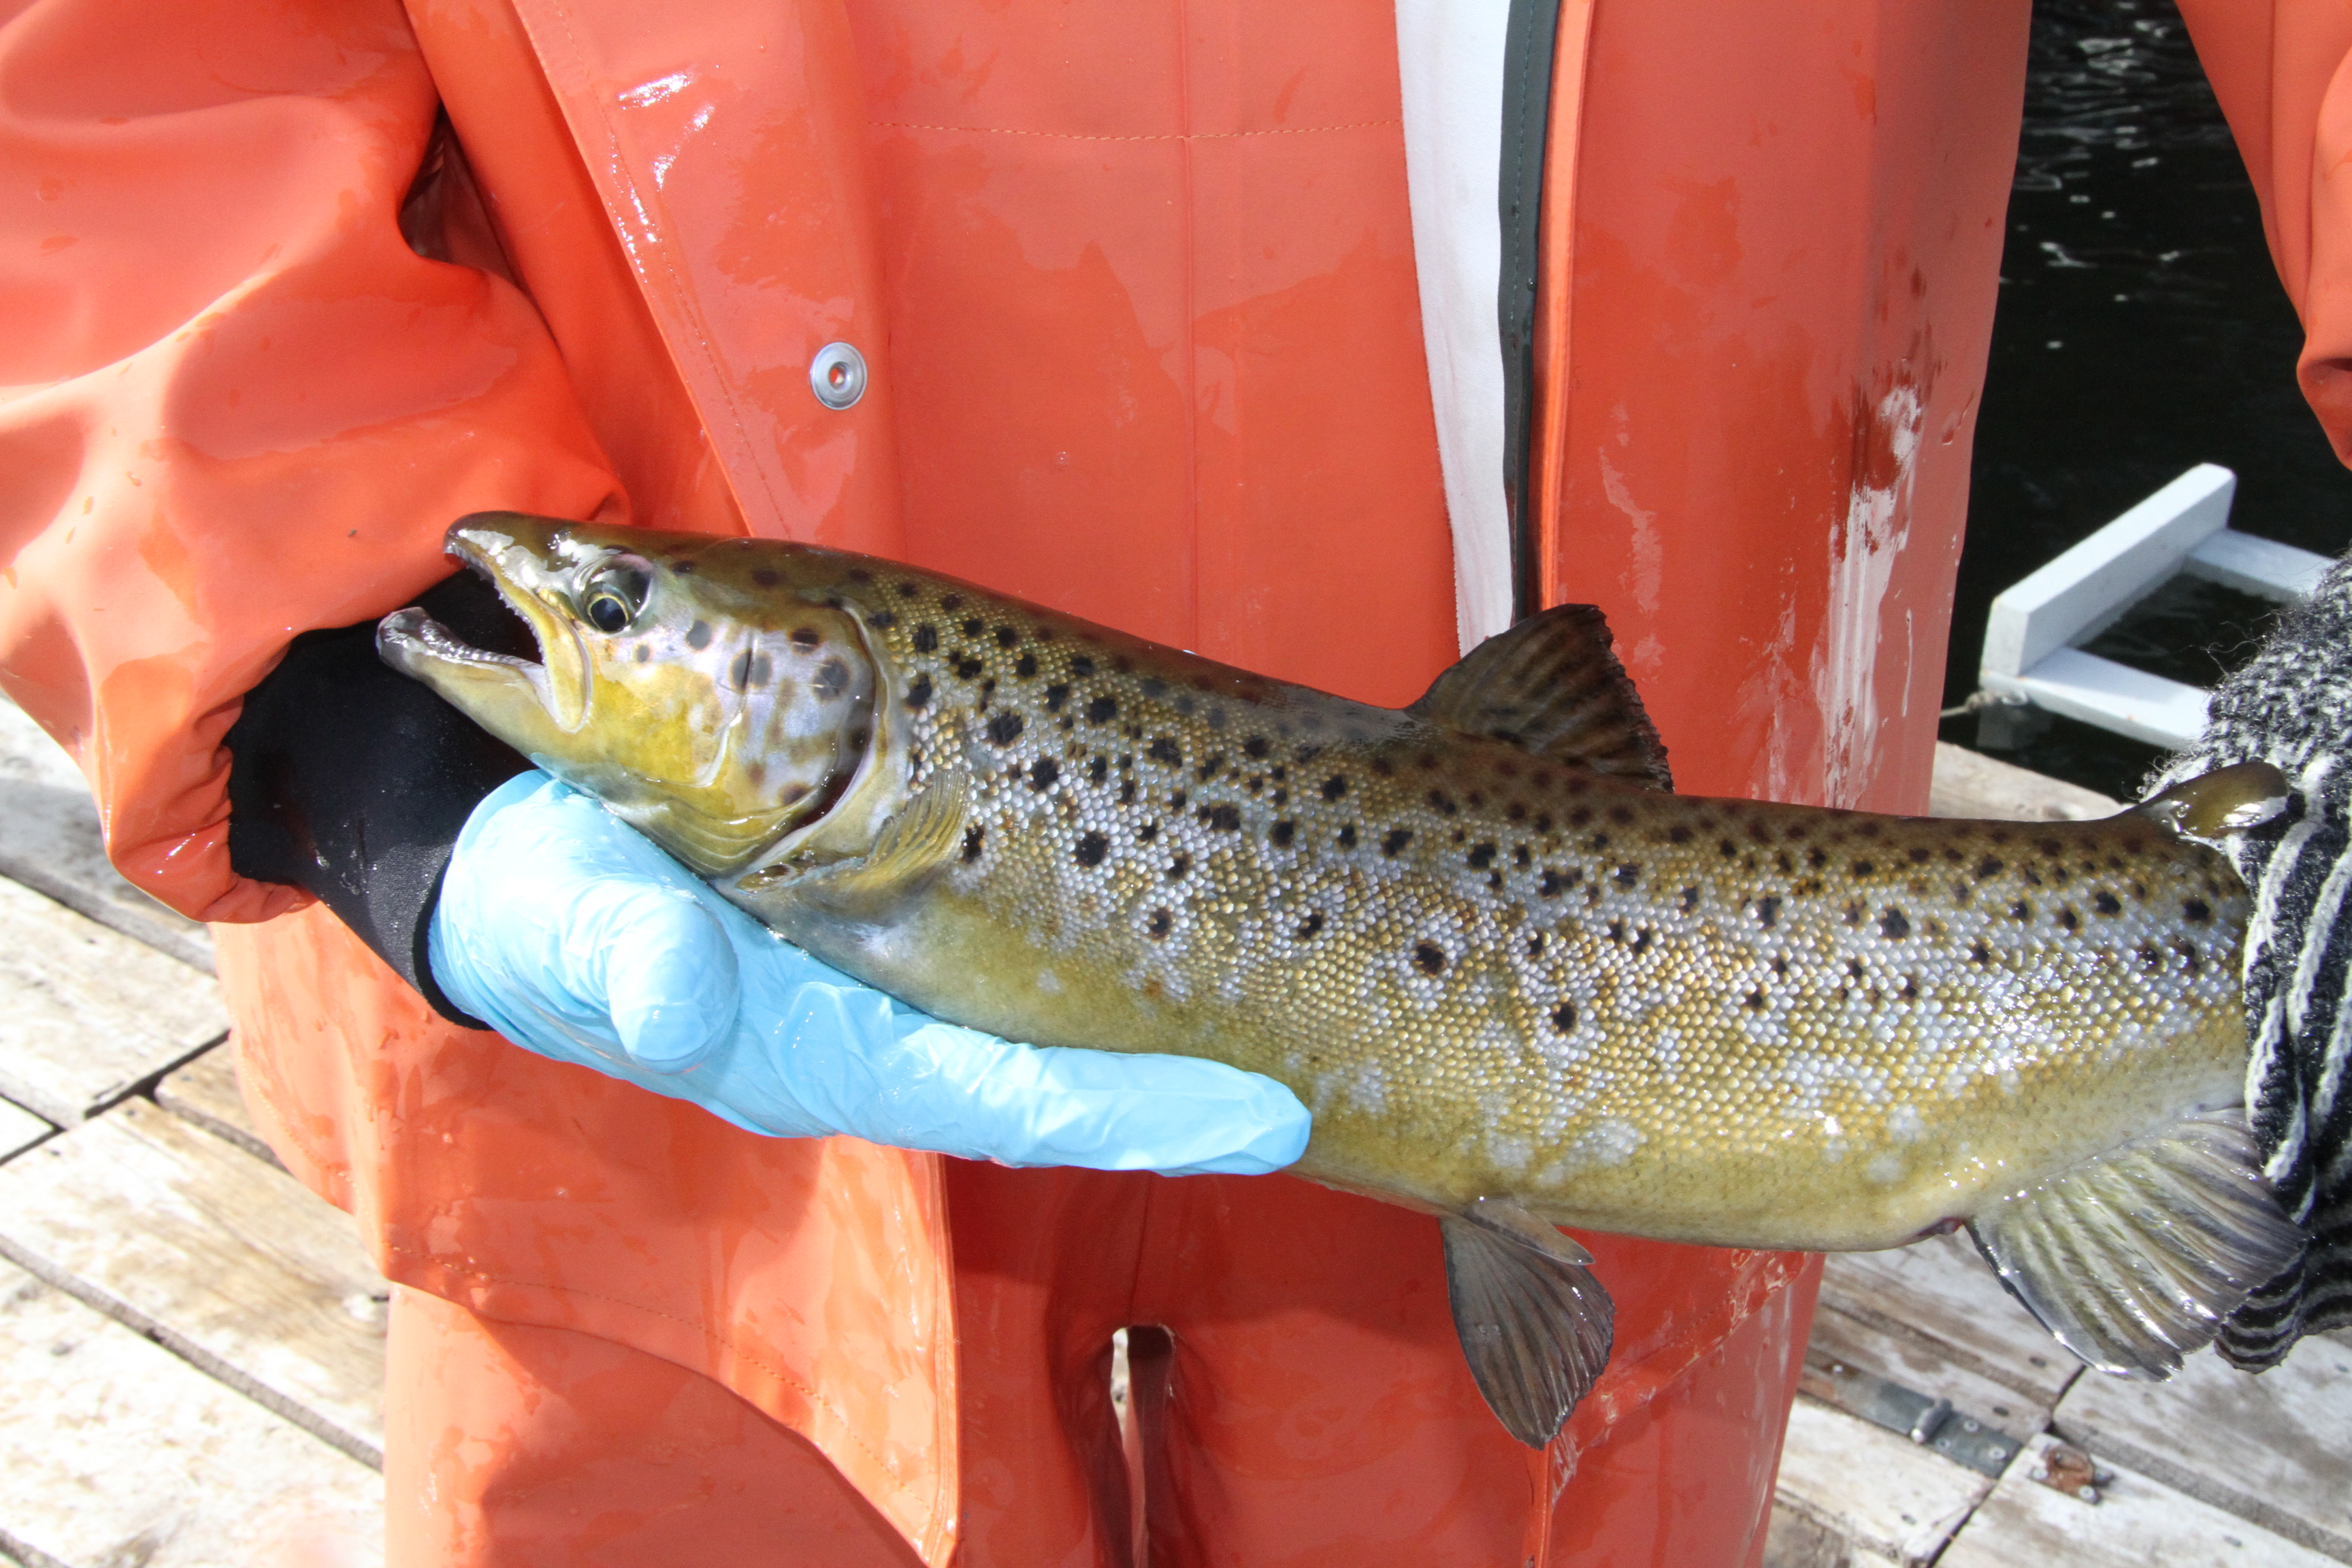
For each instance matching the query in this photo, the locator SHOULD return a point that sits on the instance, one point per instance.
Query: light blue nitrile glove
(574, 936)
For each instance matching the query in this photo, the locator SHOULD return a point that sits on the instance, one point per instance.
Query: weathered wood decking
(191, 1345)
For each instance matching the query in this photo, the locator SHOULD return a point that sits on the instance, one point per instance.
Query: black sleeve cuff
(350, 780)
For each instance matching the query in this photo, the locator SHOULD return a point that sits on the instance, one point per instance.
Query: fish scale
(1558, 965)
(1517, 982)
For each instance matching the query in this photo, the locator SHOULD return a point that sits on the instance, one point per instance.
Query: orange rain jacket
(1137, 286)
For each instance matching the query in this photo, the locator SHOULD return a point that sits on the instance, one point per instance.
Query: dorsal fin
(1552, 686)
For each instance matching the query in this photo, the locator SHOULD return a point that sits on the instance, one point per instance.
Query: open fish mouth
(512, 652)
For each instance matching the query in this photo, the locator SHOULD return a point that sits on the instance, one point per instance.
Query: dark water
(2141, 329)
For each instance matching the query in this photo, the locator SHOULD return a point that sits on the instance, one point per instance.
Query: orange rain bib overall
(1137, 286)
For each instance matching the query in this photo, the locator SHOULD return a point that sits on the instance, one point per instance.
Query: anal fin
(2136, 1258)
(1536, 1326)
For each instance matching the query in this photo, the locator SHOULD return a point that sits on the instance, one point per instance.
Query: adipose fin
(2135, 1258)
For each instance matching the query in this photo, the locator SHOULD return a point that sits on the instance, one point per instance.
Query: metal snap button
(837, 376)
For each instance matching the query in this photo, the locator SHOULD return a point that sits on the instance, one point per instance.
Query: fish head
(685, 680)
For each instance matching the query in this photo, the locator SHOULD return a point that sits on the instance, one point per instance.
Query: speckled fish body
(1491, 972)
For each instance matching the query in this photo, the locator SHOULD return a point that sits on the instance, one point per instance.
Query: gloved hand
(573, 936)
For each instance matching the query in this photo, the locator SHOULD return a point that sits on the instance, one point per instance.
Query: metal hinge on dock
(1930, 1422)
(2031, 651)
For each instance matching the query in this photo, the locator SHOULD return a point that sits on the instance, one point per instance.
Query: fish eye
(613, 597)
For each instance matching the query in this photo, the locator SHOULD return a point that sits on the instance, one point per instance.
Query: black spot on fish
(1163, 749)
(1623, 816)
(1910, 992)
(1312, 925)
(1335, 788)
(918, 691)
(1865, 868)
(1428, 958)
(1563, 1017)
(1127, 792)
(1102, 710)
(2021, 911)
(1043, 773)
(1185, 705)
(1767, 912)
(1817, 857)
(2191, 961)
(1580, 817)
(2068, 918)
(1282, 833)
(881, 620)
(1026, 666)
(1894, 924)
(1007, 638)
(1005, 728)
(643, 652)
(1679, 833)
(806, 638)
(1082, 666)
(951, 602)
(860, 575)
(764, 577)
(763, 669)
(972, 627)
(1257, 746)
(1092, 847)
(1393, 845)
(2198, 911)
(1643, 937)
(1146, 833)
(972, 839)
(1223, 818)
(1690, 900)
(1856, 911)
(1555, 883)
(1781, 965)
(1979, 953)
(1176, 800)
(1055, 695)
(1208, 770)
(1348, 836)
(1481, 856)
(1154, 688)
(969, 668)
(739, 675)
(1988, 867)
(2107, 903)
(1162, 924)
(1178, 867)
(1628, 875)
(1520, 857)
(1098, 769)
(1442, 802)
(905, 590)
(1755, 1001)
(1729, 850)
(1617, 931)
(697, 635)
(926, 638)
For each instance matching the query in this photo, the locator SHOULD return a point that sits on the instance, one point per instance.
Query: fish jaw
(718, 721)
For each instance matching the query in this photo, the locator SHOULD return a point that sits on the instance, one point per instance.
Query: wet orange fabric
(2282, 72)
(1137, 292)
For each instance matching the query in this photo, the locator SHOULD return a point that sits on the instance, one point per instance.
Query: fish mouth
(487, 681)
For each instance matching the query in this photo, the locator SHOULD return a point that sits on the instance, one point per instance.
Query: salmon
(1520, 982)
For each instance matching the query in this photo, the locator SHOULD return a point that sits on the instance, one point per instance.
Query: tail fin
(2137, 1257)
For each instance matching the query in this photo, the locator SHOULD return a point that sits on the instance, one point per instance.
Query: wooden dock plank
(85, 1013)
(229, 1261)
(205, 1092)
(1941, 1290)
(1889, 1494)
(2137, 1522)
(1921, 1364)
(114, 1452)
(19, 1130)
(2275, 1449)
(50, 841)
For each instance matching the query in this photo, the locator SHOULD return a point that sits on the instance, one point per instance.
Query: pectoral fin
(1535, 1324)
(2135, 1258)
(916, 844)
(1553, 685)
